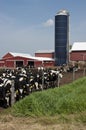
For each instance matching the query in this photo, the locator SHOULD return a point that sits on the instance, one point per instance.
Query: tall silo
(62, 37)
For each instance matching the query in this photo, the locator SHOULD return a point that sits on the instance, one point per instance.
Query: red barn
(78, 52)
(45, 53)
(13, 60)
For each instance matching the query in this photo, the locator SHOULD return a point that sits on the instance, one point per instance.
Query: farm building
(13, 60)
(45, 53)
(78, 52)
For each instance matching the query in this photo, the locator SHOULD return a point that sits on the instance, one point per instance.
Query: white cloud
(48, 23)
(28, 39)
(24, 39)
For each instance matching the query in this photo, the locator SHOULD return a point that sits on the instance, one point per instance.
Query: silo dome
(63, 12)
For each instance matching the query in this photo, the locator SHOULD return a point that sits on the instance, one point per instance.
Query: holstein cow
(5, 91)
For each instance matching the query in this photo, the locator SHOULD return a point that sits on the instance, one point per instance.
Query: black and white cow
(26, 82)
(5, 91)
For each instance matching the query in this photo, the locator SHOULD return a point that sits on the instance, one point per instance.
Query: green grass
(68, 99)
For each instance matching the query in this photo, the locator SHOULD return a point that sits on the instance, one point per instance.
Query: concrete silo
(62, 37)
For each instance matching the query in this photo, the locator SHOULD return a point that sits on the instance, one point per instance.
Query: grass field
(69, 99)
(61, 108)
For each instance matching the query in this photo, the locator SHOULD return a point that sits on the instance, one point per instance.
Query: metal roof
(79, 46)
(20, 54)
(43, 59)
(45, 51)
(31, 57)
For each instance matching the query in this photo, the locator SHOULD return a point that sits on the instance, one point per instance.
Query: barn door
(19, 63)
(31, 64)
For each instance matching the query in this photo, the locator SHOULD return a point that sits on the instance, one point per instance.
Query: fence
(69, 77)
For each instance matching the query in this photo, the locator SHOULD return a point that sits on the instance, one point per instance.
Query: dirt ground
(15, 123)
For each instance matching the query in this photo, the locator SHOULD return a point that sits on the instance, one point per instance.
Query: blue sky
(28, 25)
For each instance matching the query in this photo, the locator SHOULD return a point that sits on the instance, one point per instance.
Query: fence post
(84, 72)
(42, 79)
(58, 80)
(12, 93)
(73, 74)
